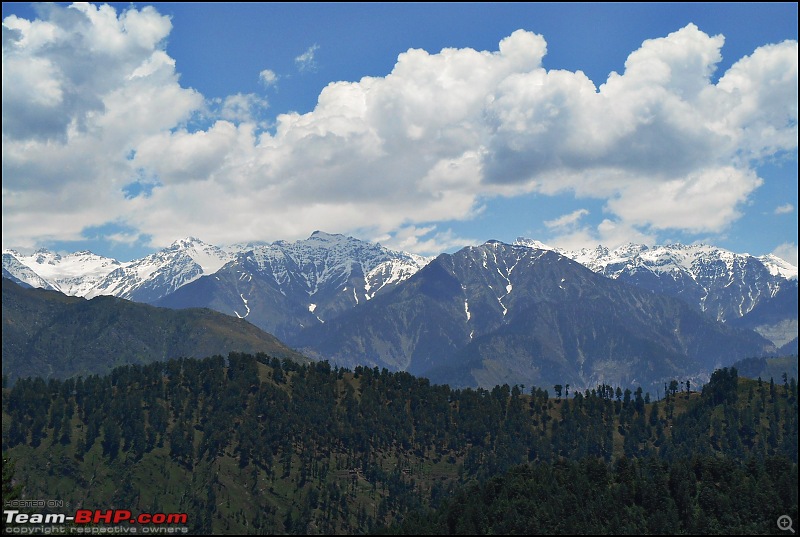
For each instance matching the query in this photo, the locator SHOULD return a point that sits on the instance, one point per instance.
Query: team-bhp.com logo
(117, 516)
(158, 522)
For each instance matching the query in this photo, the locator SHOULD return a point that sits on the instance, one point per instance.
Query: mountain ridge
(50, 334)
(86, 274)
(548, 318)
(286, 288)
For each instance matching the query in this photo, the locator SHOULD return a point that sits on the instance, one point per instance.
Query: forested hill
(248, 444)
(49, 334)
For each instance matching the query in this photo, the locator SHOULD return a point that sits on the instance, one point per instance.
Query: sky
(423, 126)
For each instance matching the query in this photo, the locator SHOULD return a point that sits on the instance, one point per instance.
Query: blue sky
(128, 127)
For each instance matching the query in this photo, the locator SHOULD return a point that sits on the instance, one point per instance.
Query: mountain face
(510, 313)
(21, 274)
(143, 280)
(49, 334)
(775, 318)
(159, 274)
(284, 287)
(494, 313)
(725, 285)
(73, 274)
(281, 287)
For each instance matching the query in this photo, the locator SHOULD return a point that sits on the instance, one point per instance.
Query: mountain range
(143, 280)
(720, 283)
(493, 313)
(285, 287)
(500, 313)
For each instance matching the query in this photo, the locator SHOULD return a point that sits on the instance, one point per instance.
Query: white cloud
(567, 220)
(664, 146)
(609, 233)
(787, 251)
(660, 142)
(268, 77)
(306, 61)
(784, 209)
(701, 201)
(760, 97)
(241, 108)
(419, 240)
(100, 85)
(124, 238)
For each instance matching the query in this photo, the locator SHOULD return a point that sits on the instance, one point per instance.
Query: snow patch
(246, 307)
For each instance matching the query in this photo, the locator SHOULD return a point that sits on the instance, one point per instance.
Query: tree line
(251, 443)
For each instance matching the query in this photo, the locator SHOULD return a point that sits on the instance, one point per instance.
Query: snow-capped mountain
(495, 309)
(779, 267)
(331, 268)
(75, 274)
(317, 279)
(307, 268)
(163, 272)
(500, 313)
(283, 287)
(143, 280)
(723, 284)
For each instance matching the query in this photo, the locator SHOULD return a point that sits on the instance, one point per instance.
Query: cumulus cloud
(57, 72)
(306, 61)
(784, 209)
(241, 108)
(268, 77)
(81, 91)
(705, 200)
(92, 103)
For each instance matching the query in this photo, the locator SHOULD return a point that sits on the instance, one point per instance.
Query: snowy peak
(532, 243)
(701, 262)
(329, 272)
(209, 258)
(779, 267)
(723, 283)
(187, 242)
(144, 280)
(496, 281)
(163, 272)
(324, 257)
(51, 265)
(16, 269)
(283, 287)
(72, 274)
(322, 237)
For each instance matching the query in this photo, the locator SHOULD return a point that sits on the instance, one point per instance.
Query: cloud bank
(92, 104)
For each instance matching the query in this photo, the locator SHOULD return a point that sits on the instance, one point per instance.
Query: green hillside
(50, 335)
(251, 444)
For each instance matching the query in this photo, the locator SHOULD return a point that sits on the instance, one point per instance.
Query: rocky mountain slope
(504, 313)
